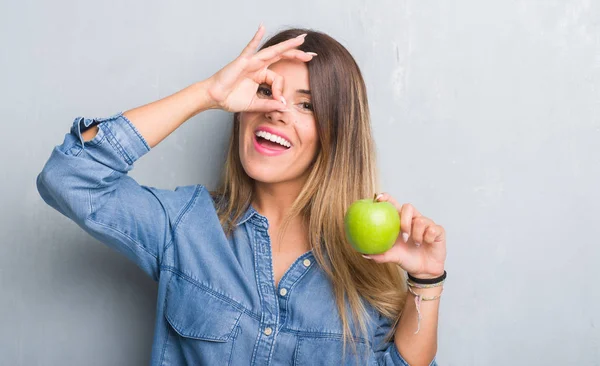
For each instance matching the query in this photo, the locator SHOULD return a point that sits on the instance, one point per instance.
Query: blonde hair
(346, 161)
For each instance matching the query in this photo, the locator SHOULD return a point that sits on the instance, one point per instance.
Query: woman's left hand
(421, 246)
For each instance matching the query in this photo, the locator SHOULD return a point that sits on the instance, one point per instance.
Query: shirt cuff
(118, 131)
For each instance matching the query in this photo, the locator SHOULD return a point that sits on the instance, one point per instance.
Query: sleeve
(88, 183)
(386, 352)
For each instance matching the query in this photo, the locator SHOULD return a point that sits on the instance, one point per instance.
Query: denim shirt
(217, 302)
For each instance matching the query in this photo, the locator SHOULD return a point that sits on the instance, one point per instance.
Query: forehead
(293, 72)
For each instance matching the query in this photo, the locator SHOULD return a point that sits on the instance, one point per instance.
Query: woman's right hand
(234, 87)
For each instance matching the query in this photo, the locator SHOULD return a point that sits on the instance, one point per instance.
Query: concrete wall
(486, 116)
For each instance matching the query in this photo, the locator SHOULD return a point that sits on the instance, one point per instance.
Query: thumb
(381, 258)
(391, 255)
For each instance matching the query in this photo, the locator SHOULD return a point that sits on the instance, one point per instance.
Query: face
(280, 146)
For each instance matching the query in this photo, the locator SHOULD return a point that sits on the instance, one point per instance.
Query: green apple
(372, 227)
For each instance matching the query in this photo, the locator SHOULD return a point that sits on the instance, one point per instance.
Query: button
(268, 331)
(283, 292)
(306, 262)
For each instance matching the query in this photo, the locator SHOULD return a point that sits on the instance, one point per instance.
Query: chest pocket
(329, 351)
(204, 324)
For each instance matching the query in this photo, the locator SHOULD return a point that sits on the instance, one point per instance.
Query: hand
(421, 248)
(234, 87)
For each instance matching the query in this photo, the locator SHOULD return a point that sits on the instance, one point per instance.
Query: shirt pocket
(204, 324)
(317, 351)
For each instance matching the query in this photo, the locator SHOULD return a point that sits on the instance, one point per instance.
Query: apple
(372, 227)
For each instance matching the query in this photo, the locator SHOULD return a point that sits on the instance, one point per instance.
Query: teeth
(274, 138)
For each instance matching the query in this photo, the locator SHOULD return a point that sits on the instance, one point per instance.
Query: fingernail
(417, 244)
(379, 196)
(302, 35)
(366, 257)
(260, 25)
(405, 237)
(283, 100)
(311, 53)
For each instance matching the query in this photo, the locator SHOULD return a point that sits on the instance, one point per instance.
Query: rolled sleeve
(118, 130)
(88, 183)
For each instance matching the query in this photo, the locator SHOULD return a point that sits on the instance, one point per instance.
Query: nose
(277, 116)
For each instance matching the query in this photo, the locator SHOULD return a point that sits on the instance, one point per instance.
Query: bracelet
(427, 281)
(425, 298)
(418, 285)
(418, 299)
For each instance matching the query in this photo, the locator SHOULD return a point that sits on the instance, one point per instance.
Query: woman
(259, 272)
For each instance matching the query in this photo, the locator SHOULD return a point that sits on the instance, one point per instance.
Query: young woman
(259, 272)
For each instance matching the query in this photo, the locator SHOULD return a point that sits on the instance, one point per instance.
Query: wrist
(428, 292)
(204, 96)
(427, 276)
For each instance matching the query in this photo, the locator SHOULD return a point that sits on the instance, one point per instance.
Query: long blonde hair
(346, 162)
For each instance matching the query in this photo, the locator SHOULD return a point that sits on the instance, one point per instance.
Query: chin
(263, 173)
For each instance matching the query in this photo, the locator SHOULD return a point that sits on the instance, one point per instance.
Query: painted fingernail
(283, 100)
(405, 237)
(366, 257)
(311, 53)
(302, 35)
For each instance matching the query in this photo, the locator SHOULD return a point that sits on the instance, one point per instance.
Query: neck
(274, 200)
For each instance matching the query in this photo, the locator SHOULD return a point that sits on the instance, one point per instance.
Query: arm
(86, 177)
(88, 183)
(406, 352)
(155, 121)
(418, 349)
(421, 252)
(228, 89)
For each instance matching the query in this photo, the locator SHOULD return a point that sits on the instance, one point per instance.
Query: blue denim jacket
(217, 303)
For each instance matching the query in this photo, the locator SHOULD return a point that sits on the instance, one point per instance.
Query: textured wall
(486, 116)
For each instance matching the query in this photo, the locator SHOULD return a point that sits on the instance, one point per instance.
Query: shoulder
(179, 201)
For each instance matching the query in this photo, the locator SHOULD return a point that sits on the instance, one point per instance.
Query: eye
(264, 90)
(307, 105)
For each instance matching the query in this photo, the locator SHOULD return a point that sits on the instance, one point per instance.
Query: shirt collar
(250, 211)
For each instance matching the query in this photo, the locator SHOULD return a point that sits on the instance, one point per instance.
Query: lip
(265, 150)
(272, 131)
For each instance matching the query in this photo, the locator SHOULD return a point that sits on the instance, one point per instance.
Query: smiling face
(280, 146)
